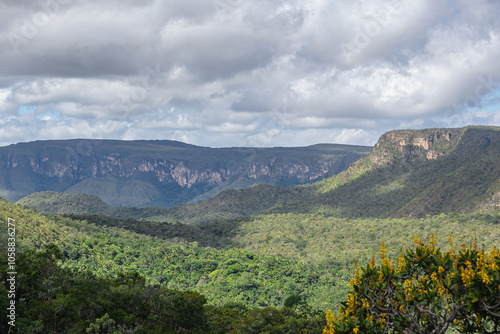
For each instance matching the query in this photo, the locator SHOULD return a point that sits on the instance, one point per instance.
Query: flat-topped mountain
(160, 173)
(408, 173)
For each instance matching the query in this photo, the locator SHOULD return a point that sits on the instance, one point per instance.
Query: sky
(224, 73)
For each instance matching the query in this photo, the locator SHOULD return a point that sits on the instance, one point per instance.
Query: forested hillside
(409, 173)
(52, 202)
(79, 277)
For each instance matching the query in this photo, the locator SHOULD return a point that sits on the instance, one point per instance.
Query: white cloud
(232, 127)
(248, 72)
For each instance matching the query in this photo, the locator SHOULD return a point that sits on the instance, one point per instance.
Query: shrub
(428, 291)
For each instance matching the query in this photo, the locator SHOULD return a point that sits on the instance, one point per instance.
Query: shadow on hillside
(217, 234)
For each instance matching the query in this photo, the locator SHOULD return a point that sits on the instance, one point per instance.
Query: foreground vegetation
(427, 291)
(278, 273)
(54, 299)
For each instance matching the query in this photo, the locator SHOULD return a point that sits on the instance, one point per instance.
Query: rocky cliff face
(404, 145)
(169, 171)
(159, 173)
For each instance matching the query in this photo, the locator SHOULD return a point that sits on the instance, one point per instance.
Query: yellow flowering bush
(427, 291)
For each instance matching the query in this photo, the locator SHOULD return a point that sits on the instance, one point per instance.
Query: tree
(428, 291)
(104, 325)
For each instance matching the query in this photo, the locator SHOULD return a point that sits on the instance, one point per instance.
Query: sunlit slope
(409, 173)
(415, 173)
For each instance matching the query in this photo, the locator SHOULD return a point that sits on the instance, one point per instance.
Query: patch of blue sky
(493, 108)
(24, 109)
(489, 102)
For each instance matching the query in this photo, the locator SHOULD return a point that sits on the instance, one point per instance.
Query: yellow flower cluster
(366, 304)
(380, 275)
(382, 320)
(329, 329)
(401, 262)
(482, 265)
(493, 265)
(351, 304)
(372, 262)
(433, 242)
(387, 263)
(467, 274)
(439, 283)
(408, 290)
(383, 251)
(357, 277)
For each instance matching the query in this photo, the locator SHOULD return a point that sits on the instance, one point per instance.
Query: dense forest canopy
(243, 272)
(274, 259)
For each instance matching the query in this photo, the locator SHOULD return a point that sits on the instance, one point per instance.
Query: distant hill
(160, 173)
(51, 202)
(416, 173)
(408, 173)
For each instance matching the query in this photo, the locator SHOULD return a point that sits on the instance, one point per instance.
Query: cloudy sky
(246, 73)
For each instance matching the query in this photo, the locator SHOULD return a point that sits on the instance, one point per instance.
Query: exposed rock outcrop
(403, 145)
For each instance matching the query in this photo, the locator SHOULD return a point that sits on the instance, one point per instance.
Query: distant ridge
(160, 173)
(408, 173)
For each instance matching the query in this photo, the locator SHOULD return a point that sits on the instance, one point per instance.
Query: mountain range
(160, 173)
(409, 173)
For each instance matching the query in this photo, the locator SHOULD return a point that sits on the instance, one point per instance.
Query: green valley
(266, 259)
